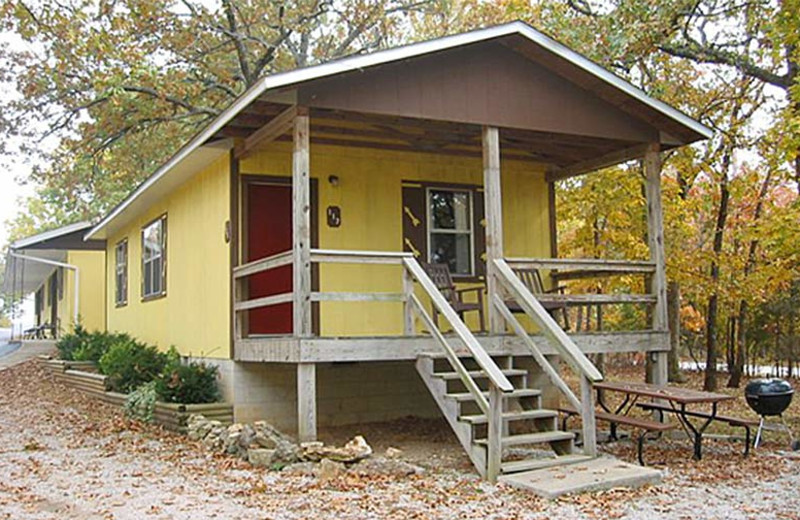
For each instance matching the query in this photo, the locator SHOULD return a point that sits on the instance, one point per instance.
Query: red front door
(269, 231)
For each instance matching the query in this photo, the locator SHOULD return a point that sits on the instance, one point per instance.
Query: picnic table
(680, 401)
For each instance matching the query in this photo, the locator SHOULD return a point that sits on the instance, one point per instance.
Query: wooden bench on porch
(644, 425)
(532, 279)
(730, 420)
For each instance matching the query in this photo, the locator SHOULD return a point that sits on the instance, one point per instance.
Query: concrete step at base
(593, 475)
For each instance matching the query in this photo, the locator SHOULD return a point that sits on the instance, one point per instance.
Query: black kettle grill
(770, 398)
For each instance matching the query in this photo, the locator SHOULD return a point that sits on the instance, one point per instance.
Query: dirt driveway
(65, 456)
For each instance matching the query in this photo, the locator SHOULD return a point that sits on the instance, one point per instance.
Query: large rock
(260, 457)
(237, 439)
(197, 427)
(355, 450)
(266, 436)
(328, 470)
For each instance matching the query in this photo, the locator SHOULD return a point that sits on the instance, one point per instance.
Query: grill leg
(758, 433)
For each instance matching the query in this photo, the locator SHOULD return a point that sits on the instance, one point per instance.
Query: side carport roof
(25, 275)
(579, 67)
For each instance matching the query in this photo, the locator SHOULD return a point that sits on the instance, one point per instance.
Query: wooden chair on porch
(532, 279)
(440, 274)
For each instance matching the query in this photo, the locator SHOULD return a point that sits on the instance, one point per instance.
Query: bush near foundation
(129, 363)
(71, 343)
(82, 345)
(188, 383)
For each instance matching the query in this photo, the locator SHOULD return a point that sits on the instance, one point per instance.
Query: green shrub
(141, 403)
(129, 363)
(71, 343)
(188, 383)
(96, 344)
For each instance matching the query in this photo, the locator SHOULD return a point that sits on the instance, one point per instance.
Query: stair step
(533, 464)
(461, 355)
(474, 374)
(533, 438)
(511, 416)
(524, 392)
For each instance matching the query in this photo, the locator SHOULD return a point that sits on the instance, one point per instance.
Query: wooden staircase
(525, 423)
(490, 414)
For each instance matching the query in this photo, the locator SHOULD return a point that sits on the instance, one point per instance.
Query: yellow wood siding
(194, 314)
(370, 198)
(91, 310)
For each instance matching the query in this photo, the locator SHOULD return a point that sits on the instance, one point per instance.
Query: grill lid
(772, 386)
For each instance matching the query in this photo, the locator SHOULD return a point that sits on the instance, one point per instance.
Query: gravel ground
(65, 456)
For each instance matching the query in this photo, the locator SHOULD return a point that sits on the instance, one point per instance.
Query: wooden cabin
(66, 275)
(287, 241)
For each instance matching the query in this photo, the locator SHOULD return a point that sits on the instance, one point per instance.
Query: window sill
(153, 297)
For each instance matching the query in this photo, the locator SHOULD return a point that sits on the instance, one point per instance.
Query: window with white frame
(154, 249)
(450, 230)
(121, 273)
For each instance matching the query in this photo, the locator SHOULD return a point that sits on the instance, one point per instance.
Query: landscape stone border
(83, 376)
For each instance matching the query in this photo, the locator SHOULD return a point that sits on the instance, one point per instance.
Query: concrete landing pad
(594, 475)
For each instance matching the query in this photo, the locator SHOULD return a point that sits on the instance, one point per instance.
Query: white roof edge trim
(49, 235)
(353, 63)
(614, 80)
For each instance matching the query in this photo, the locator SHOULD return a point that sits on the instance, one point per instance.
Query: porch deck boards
(287, 349)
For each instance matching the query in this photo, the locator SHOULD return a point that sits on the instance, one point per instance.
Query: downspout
(71, 267)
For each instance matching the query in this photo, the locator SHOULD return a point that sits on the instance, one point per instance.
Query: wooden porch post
(307, 402)
(655, 238)
(301, 227)
(301, 274)
(493, 202)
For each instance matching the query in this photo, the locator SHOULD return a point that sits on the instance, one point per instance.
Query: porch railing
(574, 269)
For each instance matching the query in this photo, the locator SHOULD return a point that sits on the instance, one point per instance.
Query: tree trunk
(674, 373)
(741, 337)
(710, 381)
(736, 369)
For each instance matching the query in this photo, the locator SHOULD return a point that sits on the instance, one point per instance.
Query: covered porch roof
(554, 106)
(29, 261)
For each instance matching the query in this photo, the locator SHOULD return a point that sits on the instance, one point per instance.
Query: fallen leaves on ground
(68, 456)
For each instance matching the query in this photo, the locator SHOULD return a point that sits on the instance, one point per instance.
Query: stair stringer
(451, 411)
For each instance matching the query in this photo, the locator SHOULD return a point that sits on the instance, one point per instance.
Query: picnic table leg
(697, 432)
(612, 430)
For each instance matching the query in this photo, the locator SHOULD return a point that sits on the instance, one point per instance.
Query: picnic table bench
(644, 425)
(677, 397)
(730, 420)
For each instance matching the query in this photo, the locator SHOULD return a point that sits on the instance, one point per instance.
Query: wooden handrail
(474, 348)
(357, 297)
(265, 301)
(452, 357)
(262, 264)
(564, 345)
(587, 372)
(338, 256)
(540, 358)
(585, 264)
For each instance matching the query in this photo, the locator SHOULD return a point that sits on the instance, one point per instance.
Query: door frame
(249, 179)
